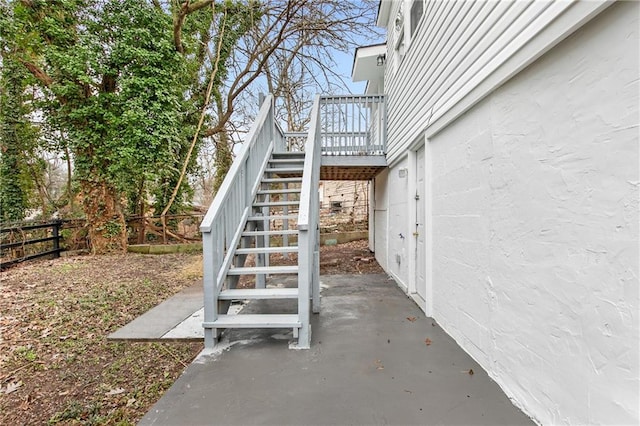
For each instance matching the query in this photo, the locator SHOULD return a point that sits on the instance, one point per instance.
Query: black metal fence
(19, 243)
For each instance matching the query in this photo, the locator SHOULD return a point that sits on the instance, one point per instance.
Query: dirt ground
(56, 365)
(347, 258)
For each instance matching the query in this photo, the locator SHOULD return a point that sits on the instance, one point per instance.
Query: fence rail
(20, 243)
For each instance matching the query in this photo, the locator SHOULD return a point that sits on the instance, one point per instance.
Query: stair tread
(296, 159)
(263, 270)
(281, 180)
(255, 321)
(276, 203)
(279, 191)
(288, 154)
(284, 170)
(259, 233)
(249, 250)
(273, 217)
(258, 293)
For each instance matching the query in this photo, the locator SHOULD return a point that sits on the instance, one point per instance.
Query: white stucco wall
(392, 229)
(535, 228)
(399, 231)
(380, 216)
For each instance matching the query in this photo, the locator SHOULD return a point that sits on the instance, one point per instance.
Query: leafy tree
(133, 88)
(116, 89)
(18, 138)
(13, 195)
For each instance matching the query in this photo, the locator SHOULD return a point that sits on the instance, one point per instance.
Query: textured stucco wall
(380, 212)
(535, 228)
(393, 229)
(399, 230)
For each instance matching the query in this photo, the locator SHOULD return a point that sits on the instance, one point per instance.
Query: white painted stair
(268, 223)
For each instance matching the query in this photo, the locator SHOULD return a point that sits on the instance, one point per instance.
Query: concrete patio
(370, 363)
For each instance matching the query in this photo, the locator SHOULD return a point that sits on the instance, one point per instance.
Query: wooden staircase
(267, 230)
(267, 204)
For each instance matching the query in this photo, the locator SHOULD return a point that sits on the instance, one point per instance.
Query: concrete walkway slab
(369, 363)
(159, 323)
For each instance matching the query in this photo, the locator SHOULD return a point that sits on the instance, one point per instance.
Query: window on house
(417, 8)
(336, 206)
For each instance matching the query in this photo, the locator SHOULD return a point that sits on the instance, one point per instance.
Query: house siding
(456, 46)
(535, 225)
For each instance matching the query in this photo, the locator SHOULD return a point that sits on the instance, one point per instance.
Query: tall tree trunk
(105, 220)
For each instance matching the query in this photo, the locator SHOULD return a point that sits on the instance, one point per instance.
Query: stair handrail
(225, 217)
(311, 169)
(308, 216)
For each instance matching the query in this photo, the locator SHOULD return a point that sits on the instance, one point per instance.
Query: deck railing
(308, 229)
(353, 124)
(349, 125)
(222, 225)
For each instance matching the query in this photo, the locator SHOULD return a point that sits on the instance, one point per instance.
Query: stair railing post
(307, 223)
(315, 214)
(315, 279)
(210, 267)
(304, 280)
(285, 221)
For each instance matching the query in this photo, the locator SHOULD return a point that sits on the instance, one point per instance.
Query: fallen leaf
(427, 341)
(379, 365)
(408, 391)
(116, 391)
(130, 402)
(12, 387)
(412, 319)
